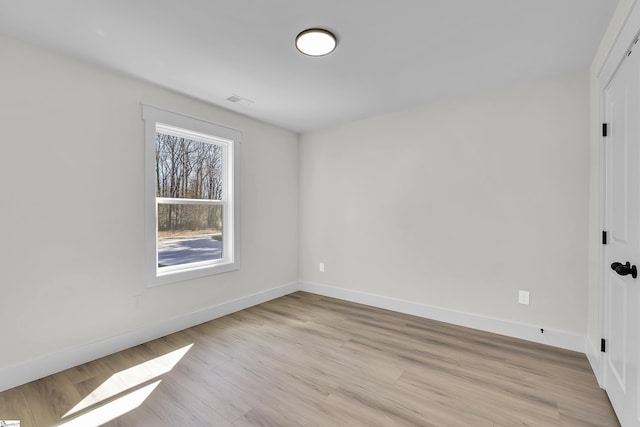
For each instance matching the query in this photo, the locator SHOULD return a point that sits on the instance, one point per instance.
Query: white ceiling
(391, 55)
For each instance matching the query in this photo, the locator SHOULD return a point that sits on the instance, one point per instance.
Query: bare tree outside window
(189, 177)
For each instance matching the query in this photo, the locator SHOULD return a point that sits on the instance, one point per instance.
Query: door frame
(613, 59)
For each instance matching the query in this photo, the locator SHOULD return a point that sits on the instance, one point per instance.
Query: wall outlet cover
(523, 297)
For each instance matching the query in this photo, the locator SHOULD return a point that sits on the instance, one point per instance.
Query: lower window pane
(188, 234)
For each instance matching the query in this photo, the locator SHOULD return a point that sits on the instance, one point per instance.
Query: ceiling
(391, 55)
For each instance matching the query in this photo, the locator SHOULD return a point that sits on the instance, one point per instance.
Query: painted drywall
(594, 324)
(72, 212)
(457, 205)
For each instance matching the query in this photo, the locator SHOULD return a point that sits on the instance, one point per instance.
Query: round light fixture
(316, 42)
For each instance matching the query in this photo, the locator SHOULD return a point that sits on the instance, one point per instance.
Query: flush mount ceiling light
(316, 42)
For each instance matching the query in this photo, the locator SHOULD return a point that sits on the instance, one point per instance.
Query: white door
(622, 217)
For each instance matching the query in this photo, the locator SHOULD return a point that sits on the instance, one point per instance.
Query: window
(192, 214)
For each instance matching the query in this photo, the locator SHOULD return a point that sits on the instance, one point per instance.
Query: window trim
(214, 133)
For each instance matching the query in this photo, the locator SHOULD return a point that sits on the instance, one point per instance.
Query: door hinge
(603, 345)
(604, 237)
(604, 129)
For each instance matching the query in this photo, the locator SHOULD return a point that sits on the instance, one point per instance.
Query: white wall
(72, 206)
(457, 205)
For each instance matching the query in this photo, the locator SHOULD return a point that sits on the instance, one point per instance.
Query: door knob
(625, 269)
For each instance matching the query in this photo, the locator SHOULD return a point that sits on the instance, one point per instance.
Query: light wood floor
(309, 360)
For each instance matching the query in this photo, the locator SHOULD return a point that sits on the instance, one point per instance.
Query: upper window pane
(187, 168)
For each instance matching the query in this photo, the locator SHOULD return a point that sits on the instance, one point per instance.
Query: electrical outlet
(321, 267)
(523, 297)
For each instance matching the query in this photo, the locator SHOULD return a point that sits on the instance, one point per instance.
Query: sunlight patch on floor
(126, 380)
(114, 409)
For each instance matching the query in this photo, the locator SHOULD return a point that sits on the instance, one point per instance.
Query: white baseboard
(48, 364)
(561, 339)
(595, 360)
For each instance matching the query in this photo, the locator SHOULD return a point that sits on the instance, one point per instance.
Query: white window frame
(199, 130)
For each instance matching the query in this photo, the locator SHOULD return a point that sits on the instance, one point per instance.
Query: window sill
(165, 278)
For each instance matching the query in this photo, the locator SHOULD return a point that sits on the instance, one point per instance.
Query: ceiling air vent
(237, 99)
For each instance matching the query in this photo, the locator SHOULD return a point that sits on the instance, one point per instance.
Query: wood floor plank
(176, 405)
(50, 398)
(15, 406)
(225, 398)
(309, 360)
